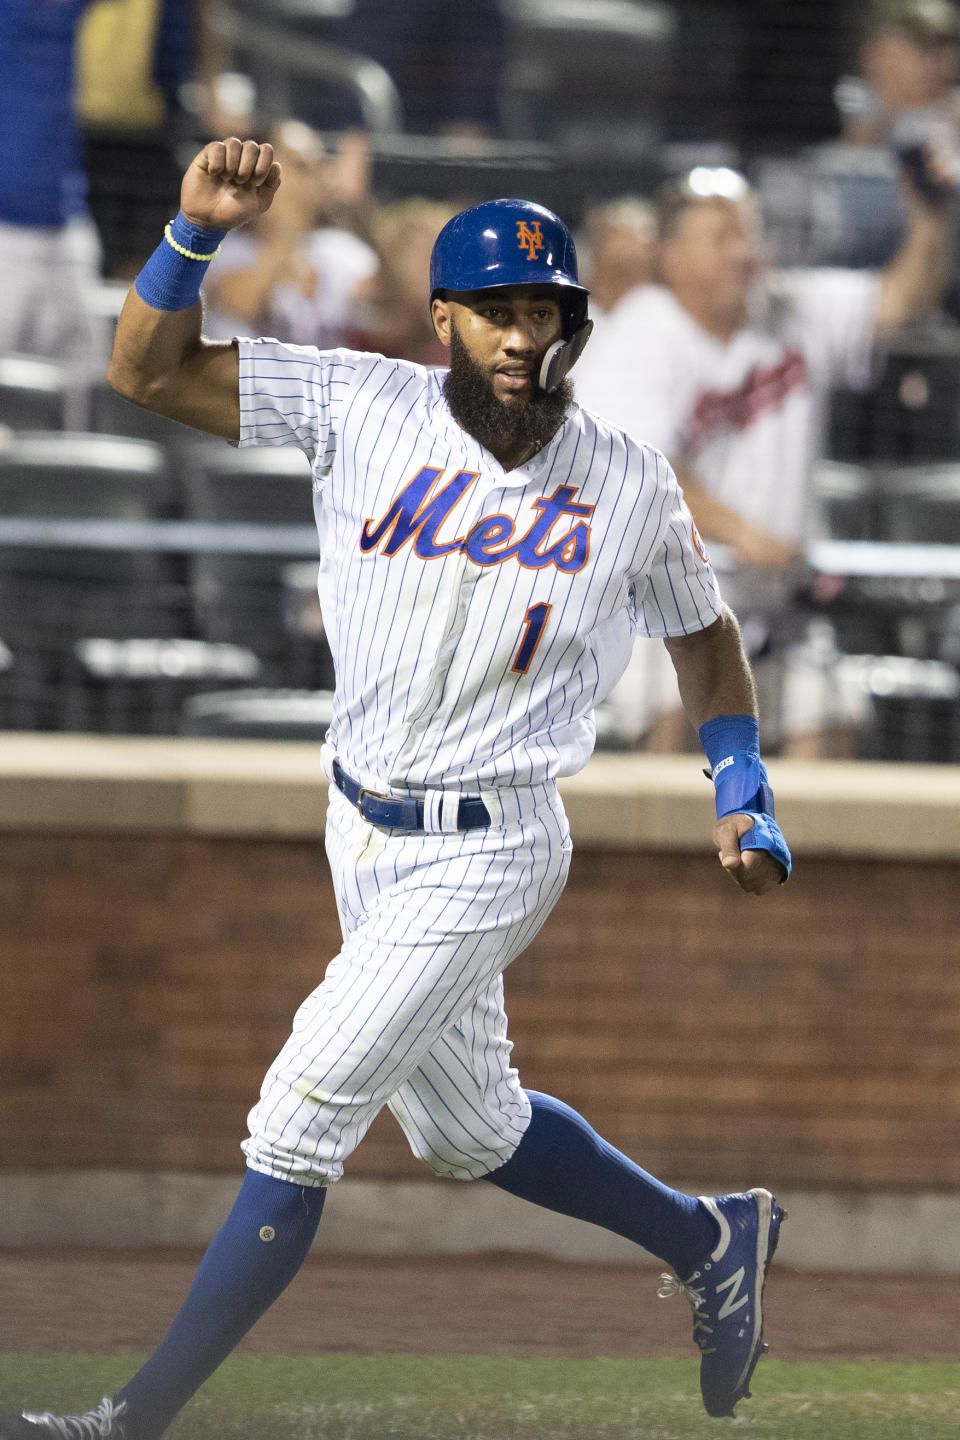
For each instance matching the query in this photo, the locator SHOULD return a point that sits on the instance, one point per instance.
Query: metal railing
(277, 56)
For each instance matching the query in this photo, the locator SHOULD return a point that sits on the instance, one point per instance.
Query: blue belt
(397, 812)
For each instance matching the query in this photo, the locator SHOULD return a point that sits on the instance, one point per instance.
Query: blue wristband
(732, 745)
(172, 277)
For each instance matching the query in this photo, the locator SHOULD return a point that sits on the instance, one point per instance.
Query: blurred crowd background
(764, 203)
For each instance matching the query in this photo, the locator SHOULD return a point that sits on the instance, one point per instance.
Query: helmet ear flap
(561, 357)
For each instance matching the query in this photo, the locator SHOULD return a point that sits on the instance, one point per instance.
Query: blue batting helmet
(505, 242)
(513, 242)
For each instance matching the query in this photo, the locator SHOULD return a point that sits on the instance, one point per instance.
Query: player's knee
(459, 1167)
(467, 1158)
(465, 1135)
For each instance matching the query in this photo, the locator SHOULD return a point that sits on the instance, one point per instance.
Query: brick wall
(808, 1039)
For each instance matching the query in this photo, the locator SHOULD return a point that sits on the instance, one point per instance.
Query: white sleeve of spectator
(626, 374)
(836, 311)
(292, 394)
(675, 588)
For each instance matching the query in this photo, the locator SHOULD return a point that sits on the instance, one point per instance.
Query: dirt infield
(102, 1301)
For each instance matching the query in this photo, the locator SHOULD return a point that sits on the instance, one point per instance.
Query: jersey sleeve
(292, 394)
(675, 590)
(836, 314)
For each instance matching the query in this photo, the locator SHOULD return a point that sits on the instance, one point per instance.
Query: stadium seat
(259, 714)
(922, 503)
(261, 485)
(138, 686)
(33, 393)
(111, 414)
(915, 714)
(240, 599)
(74, 474)
(611, 62)
(910, 503)
(52, 595)
(847, 501)
(26, 699)
(912, 413)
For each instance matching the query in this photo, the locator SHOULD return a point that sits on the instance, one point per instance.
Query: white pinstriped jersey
(476, 616)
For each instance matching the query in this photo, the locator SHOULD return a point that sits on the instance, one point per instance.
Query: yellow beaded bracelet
(180, 249)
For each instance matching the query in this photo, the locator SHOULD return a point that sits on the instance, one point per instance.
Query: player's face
(714, 257)
(505, 332)
(497, 340)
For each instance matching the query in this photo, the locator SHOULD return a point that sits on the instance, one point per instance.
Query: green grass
(397, 1397)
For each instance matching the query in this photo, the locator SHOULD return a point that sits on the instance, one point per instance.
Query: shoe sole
(770, 1217)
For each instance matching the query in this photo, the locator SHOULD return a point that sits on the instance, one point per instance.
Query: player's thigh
(431, 922)
(440, 917)
(463, 1109)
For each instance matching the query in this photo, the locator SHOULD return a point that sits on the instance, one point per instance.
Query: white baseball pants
(48, 276)
(410, 1012)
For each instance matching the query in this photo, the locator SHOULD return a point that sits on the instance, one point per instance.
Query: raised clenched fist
(229, 183)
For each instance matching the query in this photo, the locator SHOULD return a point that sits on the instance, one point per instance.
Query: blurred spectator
(904, 97)
(134, 59)
(49, 255)
(842, 203)
(399, 323)
(726, 368)
(296, 274)
(617, 249)
(908, 72)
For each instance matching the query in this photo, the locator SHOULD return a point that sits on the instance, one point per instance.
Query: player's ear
(440, 312)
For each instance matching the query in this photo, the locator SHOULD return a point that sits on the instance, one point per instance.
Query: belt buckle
(397, 812)
(361, 796)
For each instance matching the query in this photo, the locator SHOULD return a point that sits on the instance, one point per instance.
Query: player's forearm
(913, 284)
(713, 673)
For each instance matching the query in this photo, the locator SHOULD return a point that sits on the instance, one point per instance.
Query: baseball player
(488, 552)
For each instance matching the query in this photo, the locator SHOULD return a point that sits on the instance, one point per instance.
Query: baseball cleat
(725, 1293)
(103, 1423)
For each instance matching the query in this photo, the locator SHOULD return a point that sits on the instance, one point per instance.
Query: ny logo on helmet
(529, 238)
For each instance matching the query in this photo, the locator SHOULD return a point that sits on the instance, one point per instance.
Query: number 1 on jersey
(534, 622)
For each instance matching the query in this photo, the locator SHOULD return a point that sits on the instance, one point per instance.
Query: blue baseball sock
(250, 1261)
(564, 1165)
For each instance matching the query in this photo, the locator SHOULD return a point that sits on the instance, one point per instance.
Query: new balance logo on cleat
(725, 1293)
(732, 1303)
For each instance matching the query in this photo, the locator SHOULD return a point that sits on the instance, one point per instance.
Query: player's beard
(500, 425)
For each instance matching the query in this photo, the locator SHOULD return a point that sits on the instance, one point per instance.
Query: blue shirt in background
(46, 185)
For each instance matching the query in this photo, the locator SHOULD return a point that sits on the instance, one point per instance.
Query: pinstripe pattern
(425, 631)
(424, 648)
(410, 1012)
